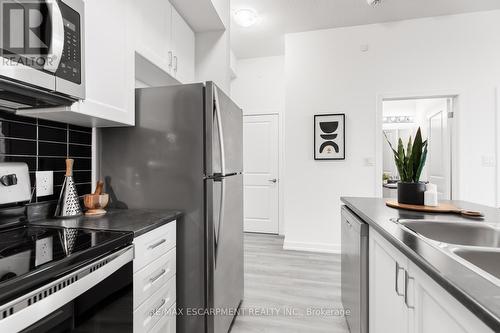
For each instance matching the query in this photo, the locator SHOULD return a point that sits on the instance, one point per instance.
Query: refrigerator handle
(218, 232)
(221, 134)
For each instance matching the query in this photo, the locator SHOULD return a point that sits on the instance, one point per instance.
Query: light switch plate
(44, 183)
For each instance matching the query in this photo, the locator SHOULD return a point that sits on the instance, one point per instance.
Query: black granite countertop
(479, 295)
(139, 221)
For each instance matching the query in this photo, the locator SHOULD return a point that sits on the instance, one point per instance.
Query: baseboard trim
(312, 247)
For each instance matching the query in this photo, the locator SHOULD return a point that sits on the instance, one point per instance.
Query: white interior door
(261, 179)
(439, 153)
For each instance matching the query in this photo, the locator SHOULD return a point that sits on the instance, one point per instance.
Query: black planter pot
(411, 193)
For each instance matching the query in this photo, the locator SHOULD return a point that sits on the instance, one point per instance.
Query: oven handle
(57, 38)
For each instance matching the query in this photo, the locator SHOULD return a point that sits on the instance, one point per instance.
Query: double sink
(474, 244)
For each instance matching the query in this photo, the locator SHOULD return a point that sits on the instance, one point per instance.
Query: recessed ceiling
(278, 17)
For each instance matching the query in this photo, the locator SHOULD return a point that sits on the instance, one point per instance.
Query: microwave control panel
(70, 67)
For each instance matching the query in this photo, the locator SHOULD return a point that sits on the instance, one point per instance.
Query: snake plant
(411, 161)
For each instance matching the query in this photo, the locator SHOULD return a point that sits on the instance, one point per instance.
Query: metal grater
(68, 204)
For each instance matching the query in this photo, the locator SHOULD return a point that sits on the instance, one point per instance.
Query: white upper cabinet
(109, 70)
(109, 62)
(165, 39)
(183, 46)
(154, 31)
(115, 31)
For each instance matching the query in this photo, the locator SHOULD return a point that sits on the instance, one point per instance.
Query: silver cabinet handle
(274, 180)
(153, 312)
(153, 279)
(396, 284)
(170, 59)
(175, 63)
(155, 245)
(407, 280)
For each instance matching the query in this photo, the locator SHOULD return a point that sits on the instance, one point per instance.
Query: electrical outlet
(44, 251)
(44, 183)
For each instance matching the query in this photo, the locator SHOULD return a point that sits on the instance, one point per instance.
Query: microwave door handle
(57, 38)
(221, 134)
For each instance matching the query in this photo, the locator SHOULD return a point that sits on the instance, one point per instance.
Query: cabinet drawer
(155, 308)
(153, 245)
(167, 323)
(151, 278)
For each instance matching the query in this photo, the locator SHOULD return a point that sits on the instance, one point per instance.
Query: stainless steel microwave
(41, 53)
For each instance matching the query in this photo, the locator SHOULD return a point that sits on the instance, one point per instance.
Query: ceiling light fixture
(246, 17)
(374, 3)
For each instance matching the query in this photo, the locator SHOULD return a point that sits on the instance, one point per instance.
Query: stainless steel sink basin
(459, 233)
(487, 260)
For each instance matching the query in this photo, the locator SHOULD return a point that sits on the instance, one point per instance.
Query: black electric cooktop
(31, 256)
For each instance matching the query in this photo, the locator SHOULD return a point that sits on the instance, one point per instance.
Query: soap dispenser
(431, 195)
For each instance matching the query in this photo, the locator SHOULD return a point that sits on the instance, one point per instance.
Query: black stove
(31, 256)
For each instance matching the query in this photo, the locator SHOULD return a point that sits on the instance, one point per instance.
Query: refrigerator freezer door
(224, 130)
(225, 249)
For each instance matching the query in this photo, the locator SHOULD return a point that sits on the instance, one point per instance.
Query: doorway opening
(400, 119)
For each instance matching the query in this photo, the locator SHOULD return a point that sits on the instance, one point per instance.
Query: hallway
(281, 287)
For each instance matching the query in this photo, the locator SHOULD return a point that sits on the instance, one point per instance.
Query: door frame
(281, 157)
(453, 127)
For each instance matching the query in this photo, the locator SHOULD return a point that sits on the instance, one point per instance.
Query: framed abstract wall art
(329, 137)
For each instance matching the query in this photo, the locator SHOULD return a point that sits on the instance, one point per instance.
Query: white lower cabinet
(437, 311)
(155, 280)
(387, 309)
(404, 299)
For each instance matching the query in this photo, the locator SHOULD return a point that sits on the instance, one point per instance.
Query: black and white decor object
(329, 137)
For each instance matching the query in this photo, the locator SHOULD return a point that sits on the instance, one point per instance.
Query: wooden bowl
(95, 203)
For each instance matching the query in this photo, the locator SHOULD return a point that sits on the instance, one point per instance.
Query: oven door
(87, 297)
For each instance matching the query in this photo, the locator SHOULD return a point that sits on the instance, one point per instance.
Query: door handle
(175, 63)
(56, 45)
(274, 180)
(407, 280)
(396, 283)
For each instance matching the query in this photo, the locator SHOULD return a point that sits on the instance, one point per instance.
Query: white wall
(213, 58)
(326, 72)
(212, 61)
(259, 88)
(260, 85)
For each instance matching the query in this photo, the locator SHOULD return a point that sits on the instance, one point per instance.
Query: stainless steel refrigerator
(185, 152)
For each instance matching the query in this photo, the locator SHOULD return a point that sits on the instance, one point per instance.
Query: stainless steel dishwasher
(355, 271)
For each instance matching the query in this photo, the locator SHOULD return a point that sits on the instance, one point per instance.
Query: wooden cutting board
(444, 208)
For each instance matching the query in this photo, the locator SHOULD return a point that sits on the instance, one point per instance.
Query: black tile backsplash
(44, 145)
(52, 149)
(17, 147)
(52, 134)
(10, 129)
